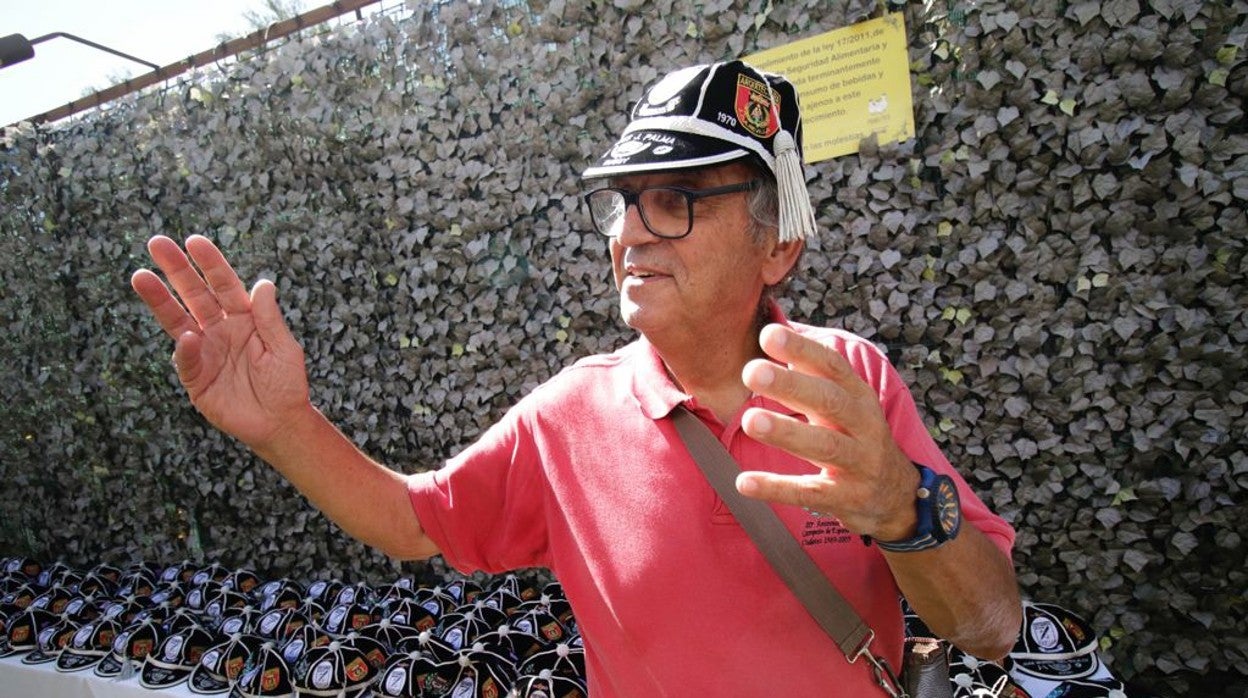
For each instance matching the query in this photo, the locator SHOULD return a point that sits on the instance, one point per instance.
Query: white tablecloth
(19, 680)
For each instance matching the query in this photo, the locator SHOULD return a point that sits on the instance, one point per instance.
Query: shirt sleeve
(485, 509)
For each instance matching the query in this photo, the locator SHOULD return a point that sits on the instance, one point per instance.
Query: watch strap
(930, 532)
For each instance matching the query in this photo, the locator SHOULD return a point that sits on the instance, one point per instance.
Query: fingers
(209, 297)
(816, 382)
(810, 365)
(187, 354)
(185, 280)
(811, 491)
(170, 314)
(270, 325)
(823, 445)
(224, 283)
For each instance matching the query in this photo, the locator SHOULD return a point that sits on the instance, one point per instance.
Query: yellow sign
(852, 82)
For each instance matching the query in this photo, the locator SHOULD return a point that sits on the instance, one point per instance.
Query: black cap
(242, 580)
(548, 685)
(536, 617)
(178, 572)
(224, 663)
(564, 659)
(214, 572)
(347, 617)
(478, 674)
(429, 645)
(1054, 644)
(176, 657)
(200, 594)
(301, 640)
(972, 677)
(412, 613)
(336, 669)
(277, 586)
(89, 645)
(52, 640)
(325, 590)
(702, 116)
(389, 633)
(714, 114)
(467, 622)
(137, 583)
(53, 599)
(411, 675)
(26, 566)
(22, 633)
(279, 623)
(514, 644)
(97, 583)
(267, 676)
(131, 647)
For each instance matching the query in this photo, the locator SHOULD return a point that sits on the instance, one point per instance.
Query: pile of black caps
(221, 630)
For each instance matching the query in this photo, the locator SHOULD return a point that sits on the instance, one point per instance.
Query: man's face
(711, 278)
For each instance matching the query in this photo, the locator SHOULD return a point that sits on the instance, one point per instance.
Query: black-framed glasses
(667, 212)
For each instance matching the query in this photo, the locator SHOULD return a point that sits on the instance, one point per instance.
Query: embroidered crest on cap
(754, 107)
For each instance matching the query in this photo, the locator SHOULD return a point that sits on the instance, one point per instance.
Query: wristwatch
(940, 514)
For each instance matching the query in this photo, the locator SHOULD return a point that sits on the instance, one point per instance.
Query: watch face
(948, 511)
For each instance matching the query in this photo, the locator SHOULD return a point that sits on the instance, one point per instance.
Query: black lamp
(16, 48)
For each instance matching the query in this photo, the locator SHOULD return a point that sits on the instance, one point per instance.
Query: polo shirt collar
(653, 388)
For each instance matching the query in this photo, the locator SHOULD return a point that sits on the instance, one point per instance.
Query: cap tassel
(797, 217)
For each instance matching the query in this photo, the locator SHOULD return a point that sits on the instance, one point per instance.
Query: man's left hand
(864, 479)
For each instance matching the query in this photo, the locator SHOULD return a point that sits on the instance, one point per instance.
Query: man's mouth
(640, 272)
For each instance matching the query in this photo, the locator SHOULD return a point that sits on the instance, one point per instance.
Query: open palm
(238, 361)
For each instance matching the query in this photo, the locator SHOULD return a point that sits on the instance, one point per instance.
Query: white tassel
(797, 216)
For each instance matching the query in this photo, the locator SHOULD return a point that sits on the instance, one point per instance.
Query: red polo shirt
(587, 477)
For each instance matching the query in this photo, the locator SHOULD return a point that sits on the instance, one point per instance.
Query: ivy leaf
(1184, 542)
(1135, 559)
(988, 78)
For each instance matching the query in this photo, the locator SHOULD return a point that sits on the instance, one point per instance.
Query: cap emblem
(1045, 634)
(270, 679)
(754, 108)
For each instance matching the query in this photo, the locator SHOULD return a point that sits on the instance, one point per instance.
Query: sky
(156, 31)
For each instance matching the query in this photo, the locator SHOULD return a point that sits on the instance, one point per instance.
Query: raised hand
(865, 479)
(234, 354)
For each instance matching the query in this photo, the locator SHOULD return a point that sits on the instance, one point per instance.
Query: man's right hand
(240, 364)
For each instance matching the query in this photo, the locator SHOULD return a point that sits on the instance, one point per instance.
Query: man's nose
(633, 229)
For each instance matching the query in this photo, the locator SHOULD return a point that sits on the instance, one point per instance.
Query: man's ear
(781, 259)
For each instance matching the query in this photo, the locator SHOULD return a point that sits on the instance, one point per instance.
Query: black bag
(925, 668)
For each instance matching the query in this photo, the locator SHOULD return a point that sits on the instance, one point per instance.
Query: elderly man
(705, 206)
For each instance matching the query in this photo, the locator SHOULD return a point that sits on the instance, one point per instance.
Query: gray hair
(764, 209)
(764, 206)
